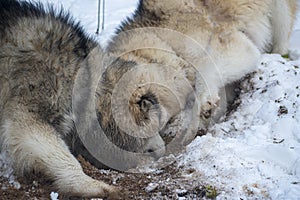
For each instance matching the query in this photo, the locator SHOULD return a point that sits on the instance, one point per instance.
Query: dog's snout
(155, 147)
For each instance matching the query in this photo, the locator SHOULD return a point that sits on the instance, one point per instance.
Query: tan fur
(170, 88)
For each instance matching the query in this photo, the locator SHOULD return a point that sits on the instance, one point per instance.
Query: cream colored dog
(213, 42)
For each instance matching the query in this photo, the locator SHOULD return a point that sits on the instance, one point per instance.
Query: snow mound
(256, 151)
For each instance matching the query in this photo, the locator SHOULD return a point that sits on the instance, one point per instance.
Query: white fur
(282, 22)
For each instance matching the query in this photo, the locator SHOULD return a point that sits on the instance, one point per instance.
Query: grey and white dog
(53, 85)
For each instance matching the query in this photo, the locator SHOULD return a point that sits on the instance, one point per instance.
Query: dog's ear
(145, 105)
(147, 101)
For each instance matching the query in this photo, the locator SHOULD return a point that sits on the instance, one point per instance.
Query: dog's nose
(156, 153)
(155, 147)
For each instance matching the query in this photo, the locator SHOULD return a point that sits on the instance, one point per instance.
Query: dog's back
(33, 55)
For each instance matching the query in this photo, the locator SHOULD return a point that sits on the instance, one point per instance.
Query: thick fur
(222, 40)
(41, 54)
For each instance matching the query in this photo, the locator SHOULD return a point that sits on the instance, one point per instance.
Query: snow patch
(256, 151)
(54, 196)
(6, 171)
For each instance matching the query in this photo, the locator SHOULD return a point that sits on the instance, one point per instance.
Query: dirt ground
(170, 182)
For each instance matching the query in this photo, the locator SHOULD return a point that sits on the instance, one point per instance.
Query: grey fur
(42, 51)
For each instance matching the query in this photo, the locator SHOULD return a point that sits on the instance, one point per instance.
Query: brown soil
(170, 183)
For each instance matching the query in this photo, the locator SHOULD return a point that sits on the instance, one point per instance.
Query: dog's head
(135, 102)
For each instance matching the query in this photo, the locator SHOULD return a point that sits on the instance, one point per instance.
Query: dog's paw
(114, 193)
(86, 187)
(106, 191)
(281, 49)
(208, 106)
